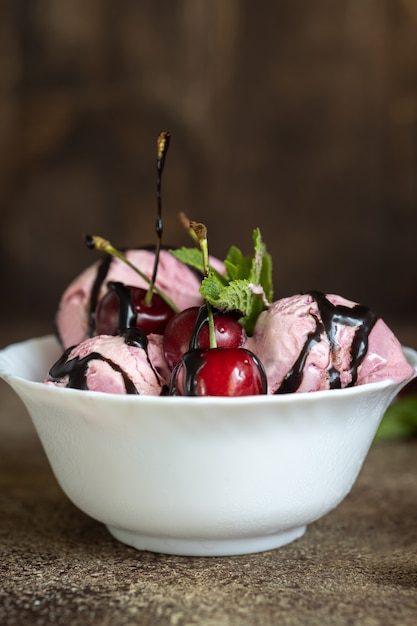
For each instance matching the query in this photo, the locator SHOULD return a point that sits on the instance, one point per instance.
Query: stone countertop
(356, 566)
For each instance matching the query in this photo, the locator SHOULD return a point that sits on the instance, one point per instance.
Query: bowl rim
(279, 399)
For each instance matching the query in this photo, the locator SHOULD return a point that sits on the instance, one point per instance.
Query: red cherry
(125, 307)
(180, 328)
(219, 372)
(229, 333)
(177, 335)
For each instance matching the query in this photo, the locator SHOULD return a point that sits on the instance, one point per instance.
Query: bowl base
(206, 547)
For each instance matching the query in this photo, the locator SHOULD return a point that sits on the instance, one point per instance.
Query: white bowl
(199, 476)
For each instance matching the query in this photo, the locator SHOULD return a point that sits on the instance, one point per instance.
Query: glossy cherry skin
(219, 372)
(125, 307)
(180, 328)
(177, 335)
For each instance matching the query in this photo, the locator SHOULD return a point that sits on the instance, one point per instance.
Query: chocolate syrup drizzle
(201, 320)
(76, 369)
(193, 360)
(127, 313)
(101, 275)
(102, 271)
(333, 315)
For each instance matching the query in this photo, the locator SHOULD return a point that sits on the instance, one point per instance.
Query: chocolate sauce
(127, 313)
(294, 377)
(333, 315)
(191, 360)
(102, 271)
(101, 275)
(162, 149)
(194, 360)
(201, 320)
(76, 369)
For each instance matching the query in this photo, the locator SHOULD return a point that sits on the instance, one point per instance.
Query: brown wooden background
(298, 117)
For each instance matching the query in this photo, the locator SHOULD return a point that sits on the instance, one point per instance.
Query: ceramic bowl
(199, 476)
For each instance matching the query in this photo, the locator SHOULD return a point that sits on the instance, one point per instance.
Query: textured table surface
(356, 566)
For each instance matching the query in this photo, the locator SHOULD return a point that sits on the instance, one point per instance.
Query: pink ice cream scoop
(129, 363)
(74, 319)
(313, 341)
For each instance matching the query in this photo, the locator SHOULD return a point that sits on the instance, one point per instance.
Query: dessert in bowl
(195, 415)
(199, 476)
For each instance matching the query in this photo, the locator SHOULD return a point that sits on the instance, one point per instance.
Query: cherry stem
(198, 232)
(103, 245)
(162, 149)
(188, 225)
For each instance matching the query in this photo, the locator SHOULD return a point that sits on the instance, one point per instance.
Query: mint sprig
(246, 286)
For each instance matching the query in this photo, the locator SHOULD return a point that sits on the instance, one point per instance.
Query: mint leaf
(246, 286)
(238, 295)
(189, 256)
(256, 268)
(212, 288)
(261, 269)
(193, 258)
(266, 277)
(237, 265)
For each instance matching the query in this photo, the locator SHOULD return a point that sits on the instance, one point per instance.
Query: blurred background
(298, 117)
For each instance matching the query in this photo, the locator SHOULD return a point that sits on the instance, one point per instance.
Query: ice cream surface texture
(312, 342)
(74, 320)
(129, 363)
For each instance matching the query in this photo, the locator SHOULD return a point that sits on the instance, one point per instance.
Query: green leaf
(193, 258)
(238, 295)
(266, 277)
(189, 256)
(237, 265)
(400, 420)
(246, 286)
(261, 269)
(212, 288)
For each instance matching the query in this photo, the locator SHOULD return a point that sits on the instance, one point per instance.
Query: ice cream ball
(313, 341)
(128, 363)
(74, 318)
